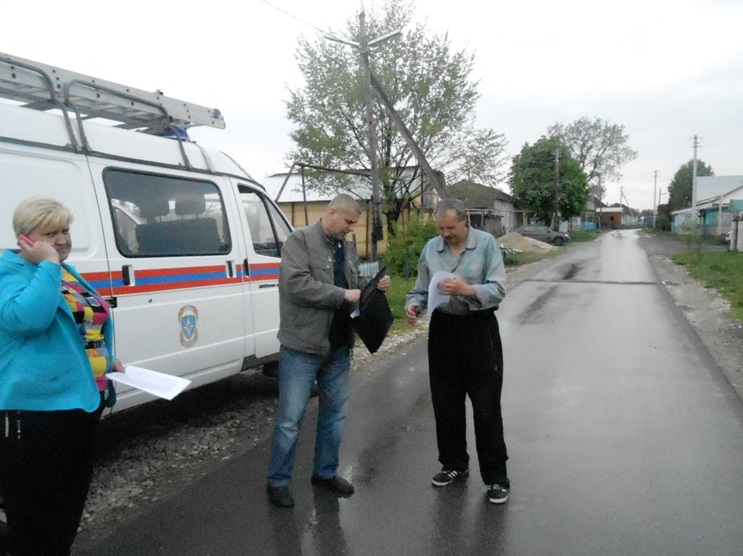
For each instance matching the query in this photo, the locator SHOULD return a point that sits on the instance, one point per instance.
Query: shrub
(662, 222)
(404, 248)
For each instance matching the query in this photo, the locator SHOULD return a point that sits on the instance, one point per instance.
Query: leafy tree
(428, 82)
(679, 190)
(533, 180)
(601, 149)
(664, 218)
(663, 222)
(405, 247)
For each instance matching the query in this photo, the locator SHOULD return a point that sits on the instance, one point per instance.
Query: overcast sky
(665, 69)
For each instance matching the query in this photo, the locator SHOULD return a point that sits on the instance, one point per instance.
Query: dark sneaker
(447, 476)
(280, 496)
(497, 494)
(336, 484)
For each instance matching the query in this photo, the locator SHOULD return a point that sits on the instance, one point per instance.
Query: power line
(302, 21)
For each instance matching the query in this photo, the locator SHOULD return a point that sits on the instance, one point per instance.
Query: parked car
(543, 233)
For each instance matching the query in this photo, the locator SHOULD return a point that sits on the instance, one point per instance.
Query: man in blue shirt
(464, 345)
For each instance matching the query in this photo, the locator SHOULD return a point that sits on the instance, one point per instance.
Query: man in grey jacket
(319, 284)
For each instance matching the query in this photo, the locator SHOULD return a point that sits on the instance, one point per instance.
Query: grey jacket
(307, 294)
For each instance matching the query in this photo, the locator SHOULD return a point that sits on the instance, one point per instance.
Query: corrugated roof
(476, 195)
(292, 192)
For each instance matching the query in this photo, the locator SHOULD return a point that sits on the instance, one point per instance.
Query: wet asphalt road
(624, 438)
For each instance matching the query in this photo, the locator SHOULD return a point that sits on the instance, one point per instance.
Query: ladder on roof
(45, 87)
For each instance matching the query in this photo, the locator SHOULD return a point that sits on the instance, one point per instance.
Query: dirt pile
(520, 244)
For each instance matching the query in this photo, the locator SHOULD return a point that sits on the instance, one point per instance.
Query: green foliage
(405, 246)
(722, 271)
(691, 233)
(430, 85)
(533, 181)
(679, 190)
(601, 148)
(396, 297)
(663, 222)
(581, 236)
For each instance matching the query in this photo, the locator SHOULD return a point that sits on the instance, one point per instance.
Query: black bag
(375, 316)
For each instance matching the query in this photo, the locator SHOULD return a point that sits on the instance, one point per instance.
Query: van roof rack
(45, 87)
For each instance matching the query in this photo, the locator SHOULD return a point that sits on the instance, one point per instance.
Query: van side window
(165, 216)
(268, 229)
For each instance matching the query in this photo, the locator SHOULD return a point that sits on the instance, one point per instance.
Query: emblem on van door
(188, 316)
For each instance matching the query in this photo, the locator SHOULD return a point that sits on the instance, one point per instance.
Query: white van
(180, 239)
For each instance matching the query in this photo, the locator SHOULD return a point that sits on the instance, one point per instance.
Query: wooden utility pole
(403, 129)
(557, 189)
(376, 232)
(694, 182)
(363, 45)
(655, 189)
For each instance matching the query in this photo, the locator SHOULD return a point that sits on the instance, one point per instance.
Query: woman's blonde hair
(40, 211)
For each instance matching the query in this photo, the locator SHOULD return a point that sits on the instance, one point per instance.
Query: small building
(715, 215)
(303, 205)
(589, 218)
(615, 217)
(488, 208)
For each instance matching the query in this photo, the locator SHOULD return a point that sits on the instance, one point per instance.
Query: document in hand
(374, 314)
(159, 384)
(435, 297)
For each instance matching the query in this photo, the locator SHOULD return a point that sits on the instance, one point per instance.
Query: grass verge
(722, 271)
(396, 297)
(581, 236)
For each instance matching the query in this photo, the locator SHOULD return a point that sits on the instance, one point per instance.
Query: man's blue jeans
(297, 374)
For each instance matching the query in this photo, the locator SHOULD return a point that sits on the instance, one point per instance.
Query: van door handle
(127, 275)
(230, 267)
(267, 286)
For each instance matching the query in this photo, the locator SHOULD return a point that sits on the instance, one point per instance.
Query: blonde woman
(56, 345)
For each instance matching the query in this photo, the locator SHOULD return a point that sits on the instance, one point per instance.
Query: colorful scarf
(90, 312)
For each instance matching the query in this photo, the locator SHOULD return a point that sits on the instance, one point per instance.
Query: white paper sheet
(159, 384)
(435, 297)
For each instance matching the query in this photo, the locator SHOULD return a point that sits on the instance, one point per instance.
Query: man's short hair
(450, 203)
(344, 201)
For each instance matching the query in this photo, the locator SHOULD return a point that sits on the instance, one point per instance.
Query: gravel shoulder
(150, 452)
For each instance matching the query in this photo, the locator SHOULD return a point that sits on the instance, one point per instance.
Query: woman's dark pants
(45, 474)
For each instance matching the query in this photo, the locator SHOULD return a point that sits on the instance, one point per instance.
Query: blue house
(720, 202)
